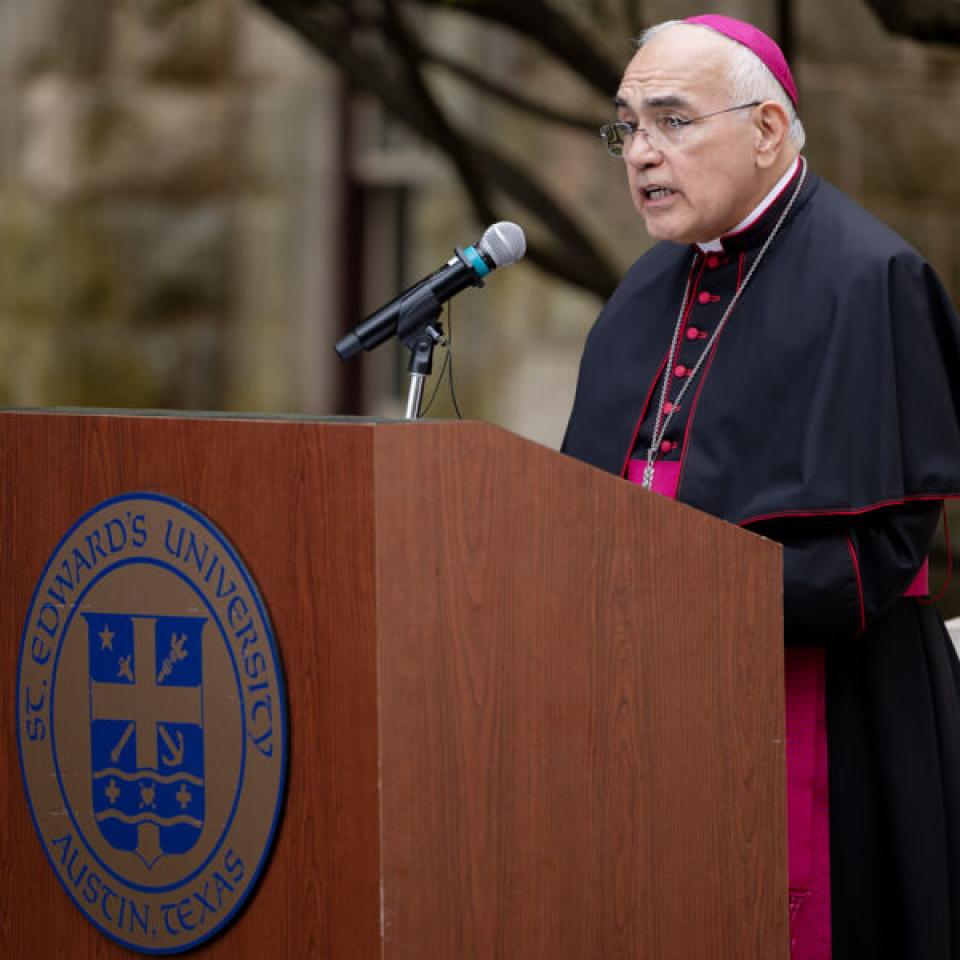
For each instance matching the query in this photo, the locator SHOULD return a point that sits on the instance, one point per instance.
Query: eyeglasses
(664, 132)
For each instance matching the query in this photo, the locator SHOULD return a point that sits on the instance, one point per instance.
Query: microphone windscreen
(504, 243)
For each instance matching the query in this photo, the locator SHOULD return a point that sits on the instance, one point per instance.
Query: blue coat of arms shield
(146, 730)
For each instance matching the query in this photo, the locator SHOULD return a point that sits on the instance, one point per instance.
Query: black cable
(446, 370)
(436, 383)
(453, 392)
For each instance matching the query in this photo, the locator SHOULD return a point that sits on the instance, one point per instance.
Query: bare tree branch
(574, 259)
(540, 23)
(570, 256)
(930, 21)
(441, 132)
(480, 80)
(633, 16)
(509, 96)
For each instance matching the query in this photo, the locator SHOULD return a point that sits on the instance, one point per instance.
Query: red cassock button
(679, 370)
(704, 297)
(713, 262)
(666, 446)
(693, 333)
(668, 407)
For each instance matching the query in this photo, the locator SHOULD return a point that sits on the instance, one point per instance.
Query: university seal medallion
(151, 722)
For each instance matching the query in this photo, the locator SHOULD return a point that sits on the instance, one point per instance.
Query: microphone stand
(419, 330)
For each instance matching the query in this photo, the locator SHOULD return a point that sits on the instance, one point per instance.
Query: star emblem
(106, 638)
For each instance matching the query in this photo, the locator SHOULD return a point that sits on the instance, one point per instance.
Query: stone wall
(881, 113)
(155, 179)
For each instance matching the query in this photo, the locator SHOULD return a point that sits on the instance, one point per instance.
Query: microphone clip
(419, 310)
(419, 330)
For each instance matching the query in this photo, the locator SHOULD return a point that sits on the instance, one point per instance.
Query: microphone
(502, 244)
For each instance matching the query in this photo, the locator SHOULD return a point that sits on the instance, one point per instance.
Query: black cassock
(826, 416)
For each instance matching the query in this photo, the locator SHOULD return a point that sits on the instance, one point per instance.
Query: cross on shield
(146, 728)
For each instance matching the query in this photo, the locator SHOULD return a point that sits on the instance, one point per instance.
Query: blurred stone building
(193, 207)
(166, 198)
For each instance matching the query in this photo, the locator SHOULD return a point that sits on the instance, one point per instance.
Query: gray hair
(750, 78)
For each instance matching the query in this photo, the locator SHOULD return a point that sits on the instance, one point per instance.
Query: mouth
(656, 194)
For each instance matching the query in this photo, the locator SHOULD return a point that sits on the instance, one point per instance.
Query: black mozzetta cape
(827, 416)
(834, 387)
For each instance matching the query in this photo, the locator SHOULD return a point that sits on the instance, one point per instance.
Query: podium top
(202, 414)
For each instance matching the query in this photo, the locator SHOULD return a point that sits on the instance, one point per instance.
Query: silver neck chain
(661, 423)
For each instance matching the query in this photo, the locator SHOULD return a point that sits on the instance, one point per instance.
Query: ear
(772, 124)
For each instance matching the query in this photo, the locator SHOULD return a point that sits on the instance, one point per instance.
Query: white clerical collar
(758, 211)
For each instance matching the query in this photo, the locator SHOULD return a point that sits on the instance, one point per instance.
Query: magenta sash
(808, 796)
(808, 809)
(808, 823)
(666, 476)
(921, 583)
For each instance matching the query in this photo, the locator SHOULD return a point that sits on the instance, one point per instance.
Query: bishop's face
(690, 182)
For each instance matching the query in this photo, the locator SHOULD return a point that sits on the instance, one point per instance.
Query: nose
(640, 152)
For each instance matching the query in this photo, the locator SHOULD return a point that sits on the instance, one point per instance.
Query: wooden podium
(534, 711)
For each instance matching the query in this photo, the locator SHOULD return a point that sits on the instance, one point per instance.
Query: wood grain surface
(581, 712)
(534, 711)
(290, 498)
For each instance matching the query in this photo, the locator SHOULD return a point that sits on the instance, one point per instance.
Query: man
(784, 361)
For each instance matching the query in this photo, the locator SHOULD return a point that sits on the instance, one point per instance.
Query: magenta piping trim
(852, 512)
(643, 413)
(693, 407)
(783, 190)
(856, 572)
(703, 379)
(663, 363)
